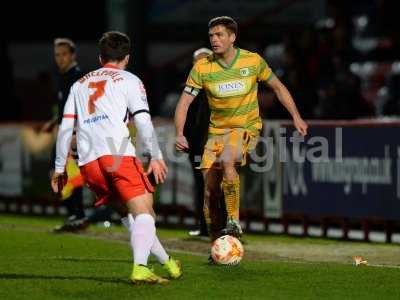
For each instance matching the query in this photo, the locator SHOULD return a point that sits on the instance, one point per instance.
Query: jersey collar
(111, 66)
(233, 61)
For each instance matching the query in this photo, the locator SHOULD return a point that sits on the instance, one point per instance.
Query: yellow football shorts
(236, 140)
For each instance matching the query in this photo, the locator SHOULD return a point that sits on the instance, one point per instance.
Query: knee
(212, 191)
(139, 205)
(229, 170)
(207, 193)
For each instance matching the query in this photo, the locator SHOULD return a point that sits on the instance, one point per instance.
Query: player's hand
(181, 143)
(159, 170)
(300, 125)
(48, 126)
(58, 181)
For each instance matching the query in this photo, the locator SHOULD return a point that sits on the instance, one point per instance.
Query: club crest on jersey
(244, 71)
(143, 95)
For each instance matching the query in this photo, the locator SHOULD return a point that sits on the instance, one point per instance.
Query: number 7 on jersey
(99, 91)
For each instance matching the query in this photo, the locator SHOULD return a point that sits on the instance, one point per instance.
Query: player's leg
(221, 212)
(72, 196)
(212, 177)
(231, 154)
(133, 188)
(101, 181)
(143, 230)
(74, 221)
(157, 249)
(212, 193)
(172, 266)
(142, 236)
(199, 198)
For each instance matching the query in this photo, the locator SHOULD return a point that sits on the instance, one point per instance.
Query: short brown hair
(226, 21)
(65, 42)
(114, 46)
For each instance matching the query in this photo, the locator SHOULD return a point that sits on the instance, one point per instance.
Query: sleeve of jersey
(139, 110)
(146, 136)
(194, 82)
(264, 71)
(137, 98)
(65, 133)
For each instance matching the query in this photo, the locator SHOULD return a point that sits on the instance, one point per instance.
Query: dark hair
(65, 42)
(229, 23)
(114, 46)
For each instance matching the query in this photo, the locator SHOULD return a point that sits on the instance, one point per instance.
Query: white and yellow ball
(227, 250)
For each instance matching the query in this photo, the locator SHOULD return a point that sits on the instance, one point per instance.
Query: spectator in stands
(294, 75)
(392, 106)
(13, 111)
(384, 25)
(341, 97)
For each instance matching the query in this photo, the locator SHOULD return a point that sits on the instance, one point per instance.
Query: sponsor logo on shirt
(229, 87)
(95, 119)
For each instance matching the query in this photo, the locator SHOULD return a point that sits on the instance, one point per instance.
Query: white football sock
(156, 249)
(159, 252)
(126, 222)
(143, 232)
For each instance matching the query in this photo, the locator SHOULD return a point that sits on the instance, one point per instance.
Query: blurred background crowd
(339, 59)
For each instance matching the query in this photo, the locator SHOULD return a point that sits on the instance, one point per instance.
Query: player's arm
(139, 109)
(64, 136)
(49, 125)
(147, 135)
(181, 110)
(266, 76)
(286, 99)
(193, 85)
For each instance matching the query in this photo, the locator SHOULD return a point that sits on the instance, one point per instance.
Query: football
(227, 250)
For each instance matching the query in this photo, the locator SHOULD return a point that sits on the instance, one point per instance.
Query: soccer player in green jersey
(230, 78)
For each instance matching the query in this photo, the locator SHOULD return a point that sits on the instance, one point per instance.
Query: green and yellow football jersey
(231, 90)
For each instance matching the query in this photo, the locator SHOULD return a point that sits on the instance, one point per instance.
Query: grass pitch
(36, 264)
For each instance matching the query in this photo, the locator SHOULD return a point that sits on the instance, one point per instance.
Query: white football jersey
(99, 107)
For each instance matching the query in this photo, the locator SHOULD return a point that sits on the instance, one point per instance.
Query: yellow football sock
(207, 217)
(211, 220)
(232, 197)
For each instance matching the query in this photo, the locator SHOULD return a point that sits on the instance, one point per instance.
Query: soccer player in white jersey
(100, 105)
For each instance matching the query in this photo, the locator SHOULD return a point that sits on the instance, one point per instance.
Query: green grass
(35, 264)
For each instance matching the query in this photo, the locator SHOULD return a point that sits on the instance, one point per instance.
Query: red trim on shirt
(111, 66)
(70, 116)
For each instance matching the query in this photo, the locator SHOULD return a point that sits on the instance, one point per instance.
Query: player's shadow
(10, 276)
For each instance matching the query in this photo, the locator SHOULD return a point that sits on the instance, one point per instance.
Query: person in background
(68, 72)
